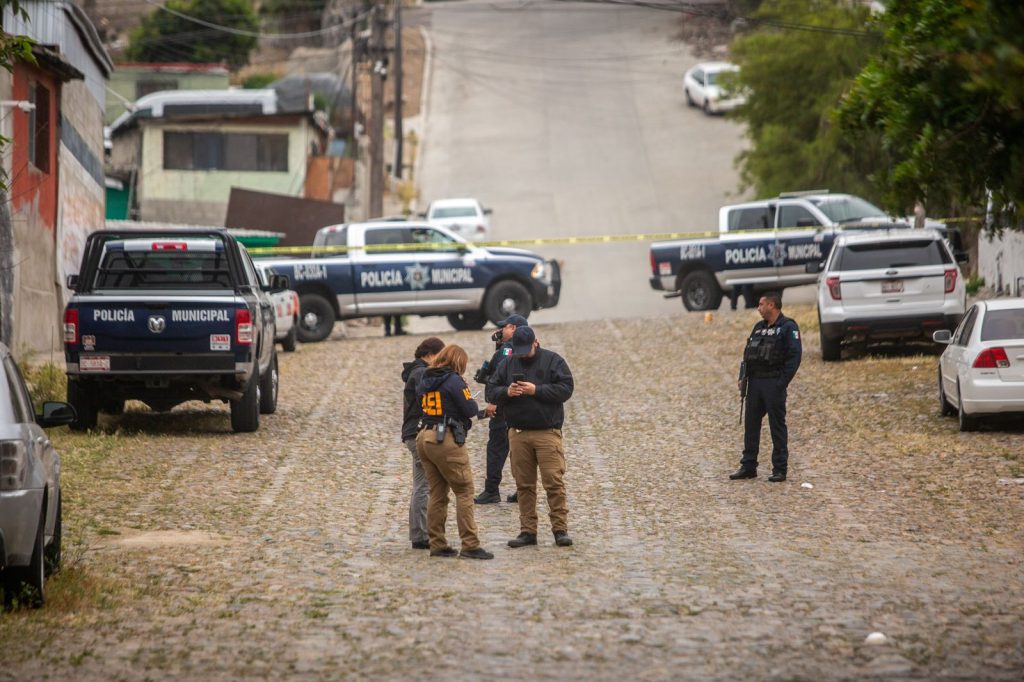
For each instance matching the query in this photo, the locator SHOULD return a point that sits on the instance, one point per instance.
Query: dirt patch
(162, 538)
(708, 33)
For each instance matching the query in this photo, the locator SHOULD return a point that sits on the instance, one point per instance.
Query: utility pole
(356, 58)
(376, 204)
(398, 89)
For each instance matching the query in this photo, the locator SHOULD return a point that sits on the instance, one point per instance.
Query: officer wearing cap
(497, 435)
(529, 389)
(770, 361)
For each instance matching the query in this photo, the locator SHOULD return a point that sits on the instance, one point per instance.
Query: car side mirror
(72, 282)
(56, 413)
(962, 257)
(278, 282)
(488, 211)
(814, 268)
(942, 336)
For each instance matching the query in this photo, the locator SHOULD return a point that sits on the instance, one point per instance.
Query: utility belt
(764, 374)
(457, 428)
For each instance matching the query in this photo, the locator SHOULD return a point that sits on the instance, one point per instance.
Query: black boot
(478, 553)
(743, 472)
(777, 477)
(488, 497)
(522, 540)
(514, 497)
(562, 538)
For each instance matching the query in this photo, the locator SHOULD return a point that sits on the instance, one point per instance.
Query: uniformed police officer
(770, 361)
(448, 411)
(497, 435)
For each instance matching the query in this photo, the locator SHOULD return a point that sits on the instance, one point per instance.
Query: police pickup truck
(767, 245)
(169, 316)
(412, 268)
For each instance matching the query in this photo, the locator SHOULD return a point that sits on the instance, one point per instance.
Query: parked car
(465, 217)
(703, 87)
(30, 507)
(286, 309)
(981, 372)
(887, 285)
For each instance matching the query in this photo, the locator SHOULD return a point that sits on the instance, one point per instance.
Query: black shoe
(743, 472)
(777, 477)
(487, 498)
(446, 552)
(562, 538)
(421, 544)
(514, 497)
(522, 540)
(478, 553)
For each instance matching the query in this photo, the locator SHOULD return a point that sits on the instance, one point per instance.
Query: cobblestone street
(196, 553)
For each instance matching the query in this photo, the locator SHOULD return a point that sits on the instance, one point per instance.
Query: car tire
(700, 291)
(945, 408)
(245, 412)
(27, 584)
(706, 108)
(468, 321)
(505, 298)
(689, 100)
(268, 387)
(290, 342)
(86, 406)
(114, 406)
(966, 422)
(52, 553)
(316, 318)
(831, 349)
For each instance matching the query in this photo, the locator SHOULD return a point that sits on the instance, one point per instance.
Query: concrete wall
(1001, 263)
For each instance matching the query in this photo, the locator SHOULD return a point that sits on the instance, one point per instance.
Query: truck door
(452, 276)
(802, 238)
(747, 245)
(386, 281)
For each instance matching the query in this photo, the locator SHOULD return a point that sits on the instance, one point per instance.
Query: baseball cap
(522, 340)
(517, 320)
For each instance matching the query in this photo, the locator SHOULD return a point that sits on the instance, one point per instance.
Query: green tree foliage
(946, 94)
(165, 37)
(795, 80)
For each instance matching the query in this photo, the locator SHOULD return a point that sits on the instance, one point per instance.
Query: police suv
(169, 316)
(413, 268)
(766, 244)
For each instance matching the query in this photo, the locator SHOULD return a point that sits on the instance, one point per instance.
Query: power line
(257, 34)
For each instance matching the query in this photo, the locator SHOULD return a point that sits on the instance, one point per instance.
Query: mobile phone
(517, 377)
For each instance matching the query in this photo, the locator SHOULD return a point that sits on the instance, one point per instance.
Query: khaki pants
(447, 466)
(530, 450)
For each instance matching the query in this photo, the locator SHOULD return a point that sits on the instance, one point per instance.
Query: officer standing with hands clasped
(770, 361)
(529, 388)
(497, 435)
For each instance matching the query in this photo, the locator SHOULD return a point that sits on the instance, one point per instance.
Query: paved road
(569, 119)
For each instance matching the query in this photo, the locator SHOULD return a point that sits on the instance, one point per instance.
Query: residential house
(53, 113)
(183, 151)
(131, 81)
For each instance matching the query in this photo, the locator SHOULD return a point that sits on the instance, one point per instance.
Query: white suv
(892, 285)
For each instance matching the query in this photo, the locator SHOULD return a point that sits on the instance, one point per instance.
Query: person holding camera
(497, 434)
(448, 411)
(412, 372)
(770, 361)
(530, 388)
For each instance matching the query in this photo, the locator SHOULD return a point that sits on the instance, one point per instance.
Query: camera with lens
(484, 373)
(496, 336)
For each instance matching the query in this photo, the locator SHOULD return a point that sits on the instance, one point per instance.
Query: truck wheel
(469, 321)
(112, 405)
(289, 343)
(701, 291)
(268, 388)
(86, 406)
(316, 318)
(507, 298)
(53, 550)
(245, 412)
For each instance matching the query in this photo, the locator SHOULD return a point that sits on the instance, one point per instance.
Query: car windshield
(904, 253)
(453, 212)
(848, 209)
(1003, 324)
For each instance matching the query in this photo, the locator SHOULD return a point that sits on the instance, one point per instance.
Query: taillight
(12, 464)
(243, 326)
(654, 265)
(833, 288)
(71, 325)
(991, 358)
(950, 280)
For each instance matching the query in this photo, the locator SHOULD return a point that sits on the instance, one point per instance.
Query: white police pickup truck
(166, 316)
(413, 268)
(766, 245)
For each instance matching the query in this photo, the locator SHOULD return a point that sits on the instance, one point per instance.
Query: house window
(226, 151)
(143, 88)
(39, 127)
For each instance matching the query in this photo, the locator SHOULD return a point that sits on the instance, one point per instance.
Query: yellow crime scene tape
(541, 241)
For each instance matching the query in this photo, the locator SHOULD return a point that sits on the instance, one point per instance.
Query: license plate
(220, 342)
(892, 286)
(94, 363)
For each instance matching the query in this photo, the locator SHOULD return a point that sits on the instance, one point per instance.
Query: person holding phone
(412, 372)
(530, 389)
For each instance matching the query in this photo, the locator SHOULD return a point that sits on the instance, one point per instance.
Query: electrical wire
(345, 23)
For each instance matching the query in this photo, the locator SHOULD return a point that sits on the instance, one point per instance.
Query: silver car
(30, 508)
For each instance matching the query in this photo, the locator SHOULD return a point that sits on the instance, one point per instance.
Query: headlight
(539, 271)
(12, 464)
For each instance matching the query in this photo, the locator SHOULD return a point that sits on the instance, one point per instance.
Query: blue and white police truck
(166, 316)
(414, 268)
(767, 245)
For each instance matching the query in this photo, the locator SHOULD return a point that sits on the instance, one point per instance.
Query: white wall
(1001, 263)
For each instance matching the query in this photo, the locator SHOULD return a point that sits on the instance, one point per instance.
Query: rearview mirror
(278, 282)
(814, 268)
(488, 211)
(72, 282)
(942, 336)
(962, 257)
(56, 413)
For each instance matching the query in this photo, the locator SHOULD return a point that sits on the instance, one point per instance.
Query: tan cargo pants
(447, 466)
(541, 449)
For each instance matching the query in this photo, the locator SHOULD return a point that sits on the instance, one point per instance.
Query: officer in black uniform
(770, 361)
(497, 435)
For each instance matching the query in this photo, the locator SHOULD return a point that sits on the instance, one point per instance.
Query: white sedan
(465, 217)
(702, 86)
(981, 372)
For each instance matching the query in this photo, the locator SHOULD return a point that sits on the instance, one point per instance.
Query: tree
(946, 95)
(795, 79)
(164, 36)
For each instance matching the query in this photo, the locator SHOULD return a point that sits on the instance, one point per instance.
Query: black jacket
(444, 395)
(411, 412)
(782, 350)
(550, 373)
